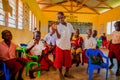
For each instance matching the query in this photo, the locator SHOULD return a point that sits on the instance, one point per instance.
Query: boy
(115, 47)
(63, 57)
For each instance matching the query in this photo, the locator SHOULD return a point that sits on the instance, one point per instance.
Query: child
(94, 35)
(89, 42)
(50, 39)
(63, 57)
(104, 40)
(76, 47)
(36, 47)
(115, 47)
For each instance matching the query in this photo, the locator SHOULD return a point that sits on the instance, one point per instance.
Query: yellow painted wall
(51, 16)
(19, 36)
(111, 15)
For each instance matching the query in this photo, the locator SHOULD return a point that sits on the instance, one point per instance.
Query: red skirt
(62, 58)
(104, 42)
(15, 64)
(114, 51)
(45, 63)
(84, 57)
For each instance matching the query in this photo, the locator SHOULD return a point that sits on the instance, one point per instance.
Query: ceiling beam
(57, 4)
(45, 3)
(92, 9)
(51, 4)
(98, 5)
(68, 12)
(101, 7)
(105, 3)
(83, 2)
(71, 4)
(80, 5)
(77, 9)
(65, 8)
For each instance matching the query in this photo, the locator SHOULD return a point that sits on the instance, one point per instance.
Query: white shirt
(65, 32)
(90, 43)
(37, 49)
(50, 39)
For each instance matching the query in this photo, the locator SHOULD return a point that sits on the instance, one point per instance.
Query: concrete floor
(79, 73)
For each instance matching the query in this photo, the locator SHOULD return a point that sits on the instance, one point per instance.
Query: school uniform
(114, 51)
(63, 45)
(88, 43)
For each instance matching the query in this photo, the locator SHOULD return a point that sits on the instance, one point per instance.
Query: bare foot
(61, 76)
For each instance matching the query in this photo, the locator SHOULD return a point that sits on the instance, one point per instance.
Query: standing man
(63, 57)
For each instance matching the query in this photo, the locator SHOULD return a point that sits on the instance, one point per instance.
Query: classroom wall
(19, 36)
(109, 16)
(52, 16)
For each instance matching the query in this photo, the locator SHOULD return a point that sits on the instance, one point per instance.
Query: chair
(90, 53)
(29, 63)
(99, 42)
(4, 69)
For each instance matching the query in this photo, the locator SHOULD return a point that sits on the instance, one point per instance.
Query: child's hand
(54, 26)
(35, 42)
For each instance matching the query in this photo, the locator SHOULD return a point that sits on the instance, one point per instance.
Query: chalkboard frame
(82, 26)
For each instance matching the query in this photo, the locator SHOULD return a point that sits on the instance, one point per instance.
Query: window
(2, 14)
(32, 21)
(12, 15)
(20, 15)
(113, 28)
(110, 27)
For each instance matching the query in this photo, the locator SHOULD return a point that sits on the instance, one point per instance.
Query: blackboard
(82, 26)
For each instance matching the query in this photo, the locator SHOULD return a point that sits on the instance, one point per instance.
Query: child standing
(115, 47)
(63, 57)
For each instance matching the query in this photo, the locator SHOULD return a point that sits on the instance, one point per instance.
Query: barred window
(110, 27)
(2, 14)
(20, 15)
(12, 14)
(32, 21)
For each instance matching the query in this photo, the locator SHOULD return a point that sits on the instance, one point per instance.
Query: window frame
(7, 16)
(110, 28)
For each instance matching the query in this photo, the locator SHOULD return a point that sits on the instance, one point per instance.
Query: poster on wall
(102, 29)
(82, 26)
